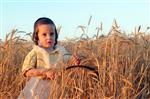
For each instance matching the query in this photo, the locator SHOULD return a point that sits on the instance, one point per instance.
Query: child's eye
(44, 34)
(51, 33)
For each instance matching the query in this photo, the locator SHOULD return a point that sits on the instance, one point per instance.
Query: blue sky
(22, 14)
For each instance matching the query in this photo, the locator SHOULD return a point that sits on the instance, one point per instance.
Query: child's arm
(41, 72)
(35, 72)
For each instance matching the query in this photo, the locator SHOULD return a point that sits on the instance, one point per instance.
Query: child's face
(46, 35)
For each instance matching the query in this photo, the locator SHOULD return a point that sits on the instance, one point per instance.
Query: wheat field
(122, 62)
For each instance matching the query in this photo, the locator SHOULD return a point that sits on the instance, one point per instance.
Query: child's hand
(76, 59)
(51, 74)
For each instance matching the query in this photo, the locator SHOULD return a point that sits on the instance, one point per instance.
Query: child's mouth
(49, 42)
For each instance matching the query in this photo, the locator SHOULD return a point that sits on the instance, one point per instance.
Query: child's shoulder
(31, 53)
(61, 49)
(34, 50)
(38, 49)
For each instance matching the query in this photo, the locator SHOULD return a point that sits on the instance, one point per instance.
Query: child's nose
(48, 37)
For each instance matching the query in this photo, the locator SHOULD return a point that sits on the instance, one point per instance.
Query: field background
(122, 59)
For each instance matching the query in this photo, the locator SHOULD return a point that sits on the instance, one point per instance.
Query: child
(44, 56)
